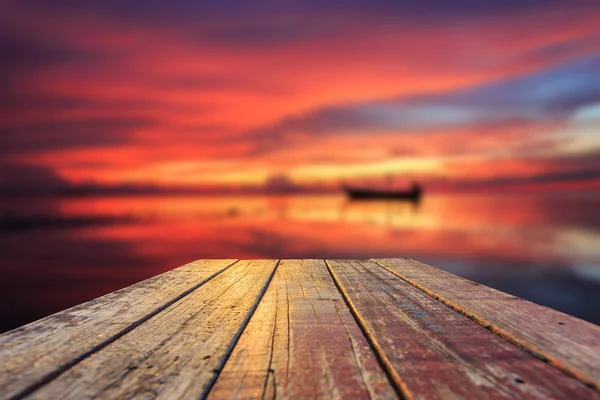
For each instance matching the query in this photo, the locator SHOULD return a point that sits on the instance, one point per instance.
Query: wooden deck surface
(341, 329)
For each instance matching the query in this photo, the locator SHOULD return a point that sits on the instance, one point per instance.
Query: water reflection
(62, 251)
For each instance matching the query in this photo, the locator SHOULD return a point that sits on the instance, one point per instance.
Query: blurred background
(136, 136)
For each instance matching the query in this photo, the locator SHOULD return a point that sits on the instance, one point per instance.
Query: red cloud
(202, 92)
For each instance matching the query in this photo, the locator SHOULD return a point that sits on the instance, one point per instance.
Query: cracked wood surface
(302, 329)
(36, 352)
(566, 342)
(433, 352)
(302, 342)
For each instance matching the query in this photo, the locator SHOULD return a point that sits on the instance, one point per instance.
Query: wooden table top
(381, 328)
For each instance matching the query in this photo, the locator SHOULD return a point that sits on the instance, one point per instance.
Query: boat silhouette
(356, 193)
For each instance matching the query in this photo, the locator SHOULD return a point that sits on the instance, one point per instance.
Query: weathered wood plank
(177, 353)
(35, 353)
(569, 343)
(434, 352)
(302, 342)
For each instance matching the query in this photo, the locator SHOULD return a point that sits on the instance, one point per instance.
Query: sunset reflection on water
(58, 252)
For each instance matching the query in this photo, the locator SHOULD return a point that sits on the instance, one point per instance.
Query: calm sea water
(58, 252)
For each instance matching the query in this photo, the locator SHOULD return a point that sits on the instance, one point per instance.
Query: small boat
(413, 194)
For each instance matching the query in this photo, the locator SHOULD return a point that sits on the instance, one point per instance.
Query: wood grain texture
(569, 343)
(176, 354)
(35, 353)
(302, 342)
(434, 352)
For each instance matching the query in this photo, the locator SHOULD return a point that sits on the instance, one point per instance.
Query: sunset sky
(497, 93)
